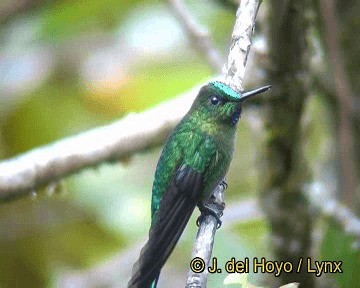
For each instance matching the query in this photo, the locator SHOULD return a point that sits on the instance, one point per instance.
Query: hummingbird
(194, 160)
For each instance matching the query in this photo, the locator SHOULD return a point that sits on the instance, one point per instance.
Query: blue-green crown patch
(231, 93)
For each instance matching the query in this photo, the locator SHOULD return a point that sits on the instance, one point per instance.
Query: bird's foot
(206, 210)
(224, 184)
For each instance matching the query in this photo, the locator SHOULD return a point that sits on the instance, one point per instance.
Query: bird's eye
(214, 100)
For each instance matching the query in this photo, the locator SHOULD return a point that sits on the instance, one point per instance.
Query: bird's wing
(176, 207)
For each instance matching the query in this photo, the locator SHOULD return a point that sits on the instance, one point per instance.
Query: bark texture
(285, 172)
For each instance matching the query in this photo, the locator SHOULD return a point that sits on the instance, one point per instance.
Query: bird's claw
(224, 184)
(205, 210)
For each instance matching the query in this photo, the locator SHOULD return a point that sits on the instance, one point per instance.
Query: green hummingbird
(195, 159)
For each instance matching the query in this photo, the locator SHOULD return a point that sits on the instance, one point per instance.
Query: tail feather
(176, 208)
(158, 248)
(155, 282)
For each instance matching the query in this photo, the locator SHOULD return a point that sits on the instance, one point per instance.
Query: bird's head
(218, 102)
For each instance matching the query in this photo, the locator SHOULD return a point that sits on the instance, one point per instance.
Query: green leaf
(338, 246)
(236, 278)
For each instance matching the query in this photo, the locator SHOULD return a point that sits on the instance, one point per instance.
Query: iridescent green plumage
(194, 161)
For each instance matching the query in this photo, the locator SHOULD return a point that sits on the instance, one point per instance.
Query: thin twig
(343, 216)
(205, 239)
(240, 43)
(198, 35)
(240, 47)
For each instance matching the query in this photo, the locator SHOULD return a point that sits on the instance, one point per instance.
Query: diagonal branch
(198, 35)
(133, 133)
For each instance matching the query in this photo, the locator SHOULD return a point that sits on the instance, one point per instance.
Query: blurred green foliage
(338, 246)
(46, 235)
(65, 19)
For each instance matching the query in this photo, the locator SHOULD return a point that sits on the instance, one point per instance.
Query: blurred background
(68, 66)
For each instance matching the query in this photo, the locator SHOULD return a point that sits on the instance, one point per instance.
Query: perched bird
(195, 159)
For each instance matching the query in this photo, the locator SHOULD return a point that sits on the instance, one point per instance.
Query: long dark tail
(176, 207)
(155, 282)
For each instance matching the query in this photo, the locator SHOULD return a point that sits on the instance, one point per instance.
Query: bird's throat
(235, 117)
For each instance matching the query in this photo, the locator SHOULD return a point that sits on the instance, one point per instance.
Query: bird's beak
(254, 92)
